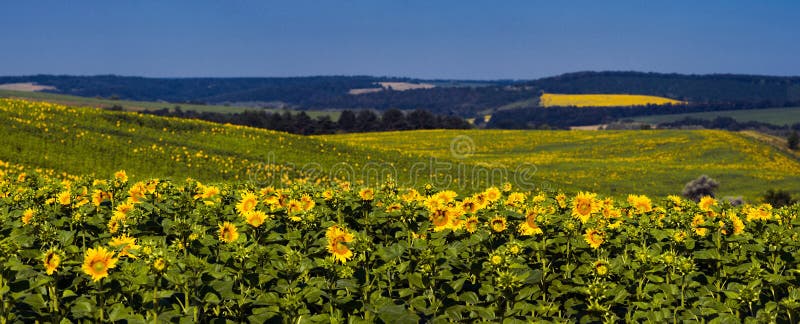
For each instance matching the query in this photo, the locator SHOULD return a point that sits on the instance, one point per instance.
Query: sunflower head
(471, 224)
(594, 238)
(227, 232)
(159, 265)
(584, 205)
(367, 194)
(498, 224)
(97, 261)
(247, 203)
(51, 260)
(125, 244)
(337, 239)
(255, 217)
(27, 215)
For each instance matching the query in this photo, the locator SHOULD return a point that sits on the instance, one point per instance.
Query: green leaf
(397, 314)
(415, 280)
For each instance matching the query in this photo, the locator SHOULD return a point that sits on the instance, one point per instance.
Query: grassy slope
(775, 116)
(141, 105)
(93, 141)
(612, 162)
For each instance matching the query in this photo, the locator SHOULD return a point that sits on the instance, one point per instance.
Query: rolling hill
(611, 162)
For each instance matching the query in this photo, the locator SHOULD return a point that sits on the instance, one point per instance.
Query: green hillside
(611, 162)
(129, 105)
(94, 141)
(775, 116)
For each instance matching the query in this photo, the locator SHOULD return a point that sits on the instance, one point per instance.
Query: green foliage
(654, 262)
(793, 140)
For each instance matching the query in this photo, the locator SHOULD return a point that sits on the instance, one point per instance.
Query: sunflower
(469, 205)
(410, 196)
(337, 237)
(393, 208)
(561, 199)
(228, 232)
(471, 224)
(600, 267)
(641, 203)
(292, 208)
(594, 238)
(97, 261)
(455, 215)
(248, 203)
(440, 219)
(738, 225)
(255, 217)
(706, 202)
(98, 196)
(27, 215)
(584, 205)
(122, 210)
(63, 198)
(698, 221)
(127, 244)
(114, 223)
(447, 195)
(498, 223)
(209, 192)
(121, 176)
(515, 199)
(51, 260)
(159, 264)
(529, 227)
(679, 236)
(137, 192)
(762, 212)
(367, 194)
(306, 203)
(492, 194)
(496, 259)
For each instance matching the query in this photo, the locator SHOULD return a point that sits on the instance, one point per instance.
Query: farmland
(601, 100)
(775, 116)
(129, 105)
(614, 162)
(111, 249)
(117, 216)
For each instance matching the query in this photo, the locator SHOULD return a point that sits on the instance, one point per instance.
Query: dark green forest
(464, 98)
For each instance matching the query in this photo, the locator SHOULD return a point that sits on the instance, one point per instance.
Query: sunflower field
(112, 250)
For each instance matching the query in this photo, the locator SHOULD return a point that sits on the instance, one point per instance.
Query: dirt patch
(28, 86)
(396, 86)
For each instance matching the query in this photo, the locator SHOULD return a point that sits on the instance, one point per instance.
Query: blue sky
(425, 39)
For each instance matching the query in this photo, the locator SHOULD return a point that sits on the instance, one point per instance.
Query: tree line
(349, 121)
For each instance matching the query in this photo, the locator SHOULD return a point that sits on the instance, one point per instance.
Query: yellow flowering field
(602, 100)
(85, 249)
(658, 162)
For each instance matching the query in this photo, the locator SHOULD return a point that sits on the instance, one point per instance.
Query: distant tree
(778, 198)
(303, 124)
(421, 119)
(347, 120)
(700, 187)
(393, 119)
(793, 140)
(367, 121)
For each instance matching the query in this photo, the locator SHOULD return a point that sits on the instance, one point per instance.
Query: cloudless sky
(426, 39)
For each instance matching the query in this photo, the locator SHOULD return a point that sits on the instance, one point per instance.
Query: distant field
(25, 86)
(611, 162)
(601, 100)
(775, 116)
